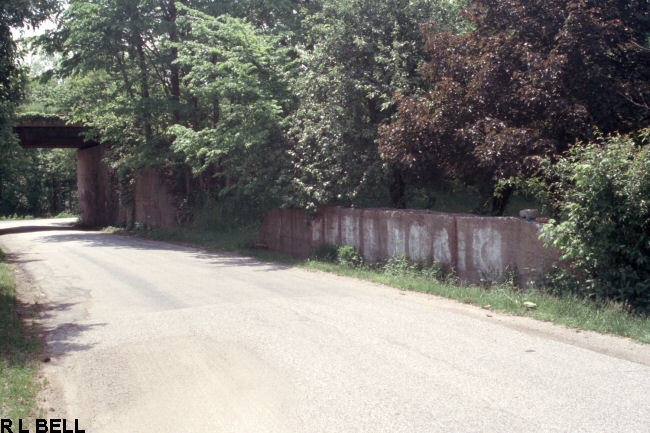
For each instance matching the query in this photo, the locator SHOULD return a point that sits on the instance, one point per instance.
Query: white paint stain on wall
(396, 241)
(331, 231)
(316, 230)
(462, 252)
(486, 252)
(419, 242)
(350, 231)
(370, 240)
(441, 250)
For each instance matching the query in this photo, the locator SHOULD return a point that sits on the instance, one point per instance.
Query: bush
(604, 228)
(344, 255)
(349, 256)
(399, 266)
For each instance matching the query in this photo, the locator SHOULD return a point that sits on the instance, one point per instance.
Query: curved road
(151, 337)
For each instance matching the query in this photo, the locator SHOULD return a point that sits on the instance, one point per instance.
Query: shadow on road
(36, 228)
(27, 337)
(95, 239)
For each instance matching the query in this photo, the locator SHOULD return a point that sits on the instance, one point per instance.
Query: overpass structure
(96, 181)
(52, 134)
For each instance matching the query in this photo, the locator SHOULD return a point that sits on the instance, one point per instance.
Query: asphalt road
(149, 337)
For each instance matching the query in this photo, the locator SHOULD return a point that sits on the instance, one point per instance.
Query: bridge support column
(97, 189)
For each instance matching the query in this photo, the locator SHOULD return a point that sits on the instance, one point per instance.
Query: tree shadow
(37, 228)
(231, 259)
(32, 337)
(218, 258)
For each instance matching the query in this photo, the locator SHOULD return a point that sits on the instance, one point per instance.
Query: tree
(359, 53)
(530, 78)
(115, 51)
(14, 14)
(234, 76)
(182, 85)
(603, 189)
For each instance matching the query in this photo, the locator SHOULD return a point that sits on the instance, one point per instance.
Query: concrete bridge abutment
(97, 189)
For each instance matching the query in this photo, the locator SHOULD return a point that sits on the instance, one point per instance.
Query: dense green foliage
(197, 88)
(359, 52)
(19, 193)
(38, 182)
(531, 78)
(282, 101)
(234, 75)
(603, 190)
(271, 103)
(15, 14)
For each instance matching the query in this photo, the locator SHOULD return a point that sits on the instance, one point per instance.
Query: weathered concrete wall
(155, 206)
(478, 248)
(97, 189)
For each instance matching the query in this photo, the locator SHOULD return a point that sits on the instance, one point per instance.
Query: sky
(28, 31)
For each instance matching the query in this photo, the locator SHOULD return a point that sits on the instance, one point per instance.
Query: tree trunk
(144, 90)
(500, 203)
(173, 67)
(398, 190)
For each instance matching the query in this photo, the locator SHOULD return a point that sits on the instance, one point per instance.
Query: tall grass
(18, 353)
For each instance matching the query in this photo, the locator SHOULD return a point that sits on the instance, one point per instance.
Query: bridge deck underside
(52, 137)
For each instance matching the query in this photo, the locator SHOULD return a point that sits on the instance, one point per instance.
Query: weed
(349, 256)
(67, 214)
(18, 352)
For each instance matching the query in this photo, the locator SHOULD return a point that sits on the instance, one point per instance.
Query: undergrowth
(19, 349)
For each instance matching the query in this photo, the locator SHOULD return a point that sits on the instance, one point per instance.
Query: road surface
(147, 337)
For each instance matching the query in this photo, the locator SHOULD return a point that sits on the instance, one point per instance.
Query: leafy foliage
(233, 75)
(183, 85)
(38, 182)
(604, 232)
(17, 13)
(347, 255)
(529, 79)
(360, 53)
(14, 14)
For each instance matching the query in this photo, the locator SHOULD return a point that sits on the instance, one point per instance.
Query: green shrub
(229, 212)
(397, 266)
(349, 256)
(401, 266)
(604, 229)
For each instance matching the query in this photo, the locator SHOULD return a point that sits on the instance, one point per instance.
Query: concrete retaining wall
(477, 248)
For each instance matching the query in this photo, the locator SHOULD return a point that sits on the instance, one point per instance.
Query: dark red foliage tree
(529, 79)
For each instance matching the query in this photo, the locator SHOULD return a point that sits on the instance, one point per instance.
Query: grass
(19, 350)
(16, 217)
(569, 310)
